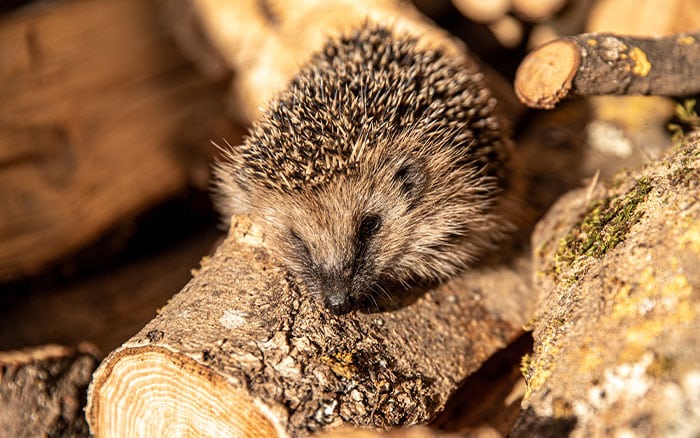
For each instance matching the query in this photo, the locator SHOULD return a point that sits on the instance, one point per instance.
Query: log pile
(105, 118)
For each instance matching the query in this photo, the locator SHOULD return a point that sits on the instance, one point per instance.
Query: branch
(598, 64)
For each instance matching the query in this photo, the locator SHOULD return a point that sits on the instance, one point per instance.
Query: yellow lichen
(592, 42)
(538, 377)
(650, 308)
(341, 364)
(591, 357)
(686, 40)
(641, 66)
(691, 238)
(540, 365)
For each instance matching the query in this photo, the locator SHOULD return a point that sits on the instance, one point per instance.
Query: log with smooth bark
(600, 64)
(94, 125)
(243, 349)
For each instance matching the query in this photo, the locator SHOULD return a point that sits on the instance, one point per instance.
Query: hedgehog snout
(336, 290)
(338, 302)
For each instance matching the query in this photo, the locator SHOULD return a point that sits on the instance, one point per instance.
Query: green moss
(684, 176)
(662, 366)
(525, 362)
(604, 226)
(686, 119)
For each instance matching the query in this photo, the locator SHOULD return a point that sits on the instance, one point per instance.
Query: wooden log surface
(244, 350)
(265, 43)
(96, 115)
(42, 390)
(599, 64)
(107, 307)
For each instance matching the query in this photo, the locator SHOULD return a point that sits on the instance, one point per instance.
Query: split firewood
(96, 121)
(538, 10)
(265, 43)
(243, 350)
(617, 331)
(481, 11)
(598, 64)
(42, 390)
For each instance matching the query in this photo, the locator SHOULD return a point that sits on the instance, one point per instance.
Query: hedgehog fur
(380, 165)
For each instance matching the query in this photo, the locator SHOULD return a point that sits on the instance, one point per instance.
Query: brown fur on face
(379, 164)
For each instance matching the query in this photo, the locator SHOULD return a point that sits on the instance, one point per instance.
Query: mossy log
(617, 331)
(243, 350)
(97, 111)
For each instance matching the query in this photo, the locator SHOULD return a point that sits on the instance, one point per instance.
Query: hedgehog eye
(410, 179)
(369, 226)
(299, 243)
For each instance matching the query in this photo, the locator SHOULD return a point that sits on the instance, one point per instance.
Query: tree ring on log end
(155, 392)
(546, 74)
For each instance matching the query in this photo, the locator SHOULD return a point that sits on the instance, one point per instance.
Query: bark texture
(617, 331)
(42, 391)
(244, 349)
(95, 125)
(601, 64)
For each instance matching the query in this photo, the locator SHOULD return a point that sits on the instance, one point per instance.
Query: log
(538, 10)
(98, 111)
(603, 64)
(107, 307)
(644, 17)
(617, 331)
(42, 390)
(244, 351)
(264, 43)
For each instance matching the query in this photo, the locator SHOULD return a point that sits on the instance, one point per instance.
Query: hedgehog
(380, 167)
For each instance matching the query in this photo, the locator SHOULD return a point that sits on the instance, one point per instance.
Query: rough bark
(242, 348)
(617, 331)
(602, 64)
(97, 105)
(42, 391)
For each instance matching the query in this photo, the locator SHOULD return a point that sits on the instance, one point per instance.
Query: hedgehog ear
(232, 193)
(411, 180)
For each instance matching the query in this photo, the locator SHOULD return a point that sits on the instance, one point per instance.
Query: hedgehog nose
(338, 303)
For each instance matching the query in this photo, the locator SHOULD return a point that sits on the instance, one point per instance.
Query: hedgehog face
(398, 217)
(341, 238)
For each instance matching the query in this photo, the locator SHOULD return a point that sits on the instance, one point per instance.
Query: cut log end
(155, 392)
(546, 74)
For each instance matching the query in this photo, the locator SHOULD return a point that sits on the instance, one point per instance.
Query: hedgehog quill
(381, 164)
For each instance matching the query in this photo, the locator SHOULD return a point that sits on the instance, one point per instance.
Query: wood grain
(97, 104)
